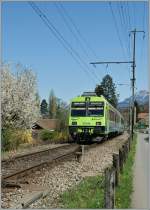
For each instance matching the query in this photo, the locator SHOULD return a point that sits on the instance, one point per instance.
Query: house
(143, 117)
(44, 124)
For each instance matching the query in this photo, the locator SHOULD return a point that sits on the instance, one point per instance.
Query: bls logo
(87, 99)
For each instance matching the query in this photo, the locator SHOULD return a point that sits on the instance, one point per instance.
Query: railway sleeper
(10, 184)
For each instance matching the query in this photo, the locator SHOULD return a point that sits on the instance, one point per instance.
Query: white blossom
(19, 107)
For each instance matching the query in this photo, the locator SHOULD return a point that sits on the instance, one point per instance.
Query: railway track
(31, 178)
(23, 165)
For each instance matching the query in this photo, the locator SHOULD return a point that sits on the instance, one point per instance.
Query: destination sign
(96, 104)
(78, 104)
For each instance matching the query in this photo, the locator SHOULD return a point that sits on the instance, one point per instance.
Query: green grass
(125, 188)
(88, 194)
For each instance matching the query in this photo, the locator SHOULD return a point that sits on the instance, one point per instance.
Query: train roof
(94, 98)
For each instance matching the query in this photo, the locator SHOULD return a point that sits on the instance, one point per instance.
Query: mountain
(142, 97)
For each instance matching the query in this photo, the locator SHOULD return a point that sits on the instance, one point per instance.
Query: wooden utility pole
(133, 78)
(133, 74)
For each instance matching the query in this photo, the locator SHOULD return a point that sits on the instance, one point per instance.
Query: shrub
(12, 138)
(5, 138)
(25, 136)
(61, 136)
(54, 136)
(46, 135)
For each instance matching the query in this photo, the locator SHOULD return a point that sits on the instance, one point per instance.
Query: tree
(37, 100)
(108, 89)
(62, 113)
(44, 108)
(99, 90)
(52, 105)
(18, 97)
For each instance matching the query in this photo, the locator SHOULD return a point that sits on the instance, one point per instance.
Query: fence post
(129, 140)
(109, 188)
(124, 153)
(120, 160)
(116, 166)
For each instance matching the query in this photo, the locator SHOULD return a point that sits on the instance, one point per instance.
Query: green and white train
(92, 116)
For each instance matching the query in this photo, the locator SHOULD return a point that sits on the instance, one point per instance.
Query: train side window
(111, 115)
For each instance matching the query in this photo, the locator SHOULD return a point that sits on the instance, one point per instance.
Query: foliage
(61, 136)
(12, 138)
(62, 113)
(88, 194)
(125, 188)
(44, 108)
(46, 135)
(99, 90)
(37, 98)
(108, 89)
(18, 98)
(52, 105)
(54, 136)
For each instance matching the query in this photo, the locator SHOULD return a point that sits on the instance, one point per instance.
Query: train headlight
(74, 123)
(98, 123)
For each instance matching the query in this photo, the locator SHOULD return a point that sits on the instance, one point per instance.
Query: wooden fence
(112, 174)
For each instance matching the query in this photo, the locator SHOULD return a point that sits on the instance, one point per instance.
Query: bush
(12, 138)
(46, 135)
(54, 136)
(5, 139)
(61, 136)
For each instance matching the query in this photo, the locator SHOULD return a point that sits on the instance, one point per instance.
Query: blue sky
(27, 40)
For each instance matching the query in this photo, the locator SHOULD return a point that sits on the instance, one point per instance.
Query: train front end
(87, 117)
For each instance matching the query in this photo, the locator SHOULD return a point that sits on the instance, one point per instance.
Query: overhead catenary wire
(143, 18)
(117, 30)
(134, 13)
(61, 39)
(77, 30)
(128, 11)
(75, 35)
(123, 26)
(127, 17)
(70, 28)
(125, 52)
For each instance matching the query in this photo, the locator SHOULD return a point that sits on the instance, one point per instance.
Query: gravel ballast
(66, 174)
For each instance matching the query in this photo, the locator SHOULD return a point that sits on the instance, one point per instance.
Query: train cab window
(78, 112)
(96, 112)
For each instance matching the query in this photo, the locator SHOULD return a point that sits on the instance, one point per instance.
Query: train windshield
(96, 112)
(78, 112)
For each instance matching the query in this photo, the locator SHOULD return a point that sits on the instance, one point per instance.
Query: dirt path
(141, 183)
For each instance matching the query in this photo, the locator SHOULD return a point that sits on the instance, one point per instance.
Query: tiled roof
(49, 124)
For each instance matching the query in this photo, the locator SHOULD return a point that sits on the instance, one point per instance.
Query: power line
(129, 15)
(134, 12)
(66, 18)
(124, 15)
(59, 37)
(144, 10)
(77, 30)
(125, 25)
(70, 29)
(117, 30)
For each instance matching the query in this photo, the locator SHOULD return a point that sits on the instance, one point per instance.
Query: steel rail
(24, 172)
